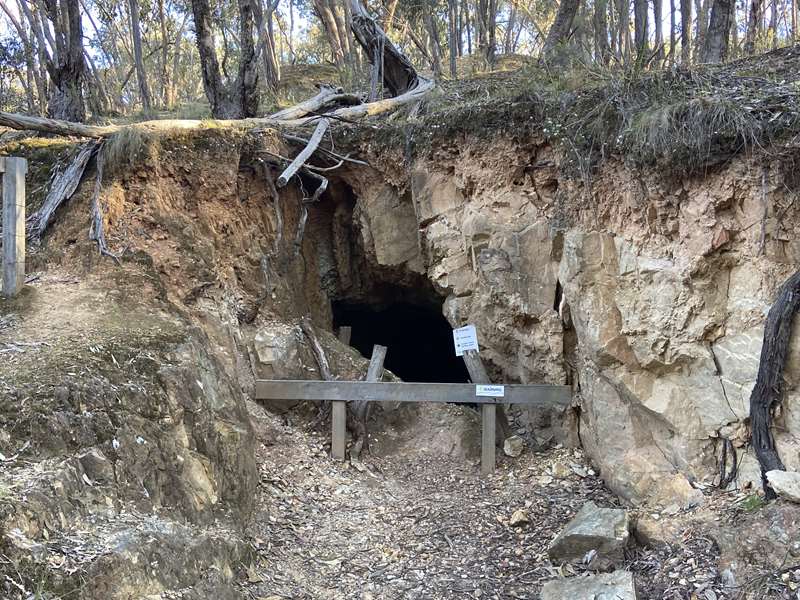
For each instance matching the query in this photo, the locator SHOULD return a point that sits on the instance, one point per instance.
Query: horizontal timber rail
(346, 391)
(341, 392)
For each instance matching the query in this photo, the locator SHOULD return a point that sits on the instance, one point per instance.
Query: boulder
(785, 483)
(604, 530)
(605, 586)
(513, 446)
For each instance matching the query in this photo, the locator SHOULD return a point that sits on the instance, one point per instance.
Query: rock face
(618, 585)
(785, 483)
(647, 291)
(597, 534)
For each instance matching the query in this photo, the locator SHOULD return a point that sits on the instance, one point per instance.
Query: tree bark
(658, 23)
(398, 74)
(560, 29)
(754, 26)
(715, 48)
(686, 32)
(600, 22)
(67, 66)
(141, 74)
(240, 98)
(768, 391)
(452, 35)
(640, 28)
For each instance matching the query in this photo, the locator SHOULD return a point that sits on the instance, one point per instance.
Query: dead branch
(63, 186)
(360, 408)
(305, 154)
(316, 347)
(327, 96)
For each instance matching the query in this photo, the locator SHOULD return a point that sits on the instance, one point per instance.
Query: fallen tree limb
(305, 154)
(62, 187)
(360, 408)
(68, 128)
(768, 390)
(327, 96)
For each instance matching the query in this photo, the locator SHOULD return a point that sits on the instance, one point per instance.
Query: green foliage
(752, 503)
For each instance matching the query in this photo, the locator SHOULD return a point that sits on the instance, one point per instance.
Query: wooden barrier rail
(341, 392)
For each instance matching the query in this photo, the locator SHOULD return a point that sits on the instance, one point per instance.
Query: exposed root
(768, 390)
(97, 231)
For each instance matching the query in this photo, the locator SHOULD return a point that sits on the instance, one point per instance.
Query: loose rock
(618, 585)
(513, 446)
(785, 483)
(602, 529)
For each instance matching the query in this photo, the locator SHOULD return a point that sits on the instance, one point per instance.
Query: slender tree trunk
(715, 48)
(141, 74)
(624, 31)
(388, 19)
(433, 37)
(754, 25)
(266, 43)
(165, 84)
(560, 29)
(247, 79)
(465, 10)
(773, 24)
(640, 29)
(600, 21)
(673, 26)
(702, 26)
(733, 50)
(322, 8)
(686, 32)
(452, 33)
(508, 41)
(658, 23)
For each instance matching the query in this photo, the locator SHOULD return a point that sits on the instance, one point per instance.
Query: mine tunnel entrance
(418, 337)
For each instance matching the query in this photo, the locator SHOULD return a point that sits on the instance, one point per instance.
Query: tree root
(768, 390)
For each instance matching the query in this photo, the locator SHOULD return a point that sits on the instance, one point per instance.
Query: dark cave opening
(418, 337)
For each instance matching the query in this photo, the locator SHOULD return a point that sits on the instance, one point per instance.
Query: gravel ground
(428, 526)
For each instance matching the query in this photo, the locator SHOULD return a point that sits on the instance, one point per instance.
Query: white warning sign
(465, 338)
(490, 391)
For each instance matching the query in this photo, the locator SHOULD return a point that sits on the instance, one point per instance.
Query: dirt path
(421, 526)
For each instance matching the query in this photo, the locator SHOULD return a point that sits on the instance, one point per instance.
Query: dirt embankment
(123, 387)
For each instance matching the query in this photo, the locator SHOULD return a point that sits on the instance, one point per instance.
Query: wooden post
(13, 173)
(338, 428)
(478, 374)
(488, 414)
(345, 332)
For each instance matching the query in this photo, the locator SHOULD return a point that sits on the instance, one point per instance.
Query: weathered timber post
(338, 428)
(488, 415)
(13, 172)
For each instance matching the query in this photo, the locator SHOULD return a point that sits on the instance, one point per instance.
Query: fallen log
(68, 128)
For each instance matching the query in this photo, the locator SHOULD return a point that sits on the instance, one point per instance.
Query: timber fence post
(13, 172)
